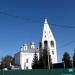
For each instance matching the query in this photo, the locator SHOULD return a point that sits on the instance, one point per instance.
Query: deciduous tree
(6, 61)
(67, 61)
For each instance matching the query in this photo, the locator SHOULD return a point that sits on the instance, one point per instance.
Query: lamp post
(48, 60)
(63, 64)
(72, 63)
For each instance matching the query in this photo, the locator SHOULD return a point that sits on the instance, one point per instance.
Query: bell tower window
(45, 31)
(52, 43)
(45, 36)
(45, 43)
(52, 52)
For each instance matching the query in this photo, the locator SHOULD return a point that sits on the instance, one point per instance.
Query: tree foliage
(46, 58)
(6, 61)
(67, 61)
(74, 59)
(35, 61)
(41, 64)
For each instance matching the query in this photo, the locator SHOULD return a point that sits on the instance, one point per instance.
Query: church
(24, 57)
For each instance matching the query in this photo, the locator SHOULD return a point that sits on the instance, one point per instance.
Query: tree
(40, 50)
(74, 59)
(1, 66)
(49, 61)
(6, 61)
(41, 64)
(67, 61)
(44, 58)
(35, 61)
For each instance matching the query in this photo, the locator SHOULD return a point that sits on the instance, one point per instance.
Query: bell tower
(49, 40)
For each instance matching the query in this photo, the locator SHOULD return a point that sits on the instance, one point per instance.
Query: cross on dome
(46, 22)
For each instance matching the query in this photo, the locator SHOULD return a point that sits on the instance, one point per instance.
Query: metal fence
(39, 72)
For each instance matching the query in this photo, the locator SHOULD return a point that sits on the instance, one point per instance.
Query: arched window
(45, 31)
(52, 43)
(45, 43)
(45, 36)
(52, 52)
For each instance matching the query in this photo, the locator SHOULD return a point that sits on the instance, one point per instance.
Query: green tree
(1, 66)
(44, 58)
(74, 59)
(41, 64)
(40, 49)
(6, 61)
(67, 61)
(35, 61)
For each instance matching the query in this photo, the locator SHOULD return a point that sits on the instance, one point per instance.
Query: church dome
(32, 43)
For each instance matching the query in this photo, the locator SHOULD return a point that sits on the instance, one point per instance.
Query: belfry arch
(48, 41)
(52, 43)
(45, 43)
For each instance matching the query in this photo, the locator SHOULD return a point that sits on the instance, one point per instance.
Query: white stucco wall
(20, 59)
(24, 57)
(48, 36)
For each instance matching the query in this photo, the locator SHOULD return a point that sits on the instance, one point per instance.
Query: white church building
(24, 57)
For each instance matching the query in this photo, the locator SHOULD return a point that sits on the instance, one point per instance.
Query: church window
(26, 60)
(52, 44)
(52, 52)
(45, 36)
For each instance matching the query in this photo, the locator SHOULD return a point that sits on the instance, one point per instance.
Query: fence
(39, 72)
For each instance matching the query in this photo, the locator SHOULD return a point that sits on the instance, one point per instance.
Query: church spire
(49, 39)
(46, 22)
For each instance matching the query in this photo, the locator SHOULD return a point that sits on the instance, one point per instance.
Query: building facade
(24, 57)
(48, 38)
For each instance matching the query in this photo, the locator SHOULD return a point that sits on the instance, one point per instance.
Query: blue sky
(16, 31)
